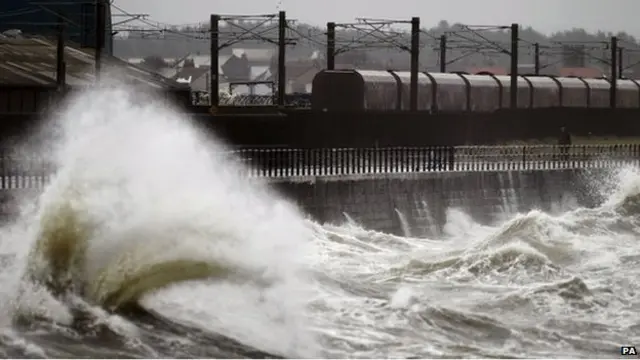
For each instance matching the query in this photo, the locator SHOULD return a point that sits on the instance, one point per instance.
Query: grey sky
(544, 15)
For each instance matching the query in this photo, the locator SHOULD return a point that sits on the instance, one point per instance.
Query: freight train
(361, 90)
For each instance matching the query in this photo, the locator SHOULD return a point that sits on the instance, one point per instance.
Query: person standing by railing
(564, 141)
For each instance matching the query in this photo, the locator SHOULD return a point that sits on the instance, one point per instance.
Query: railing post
(269, 159)
(26, 171)
(278, 161)
(387, 160)
(452, 154)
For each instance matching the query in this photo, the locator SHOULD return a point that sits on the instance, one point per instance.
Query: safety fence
(287, 162)
(19, 171)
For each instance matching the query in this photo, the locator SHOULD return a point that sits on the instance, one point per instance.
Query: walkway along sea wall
(405, 191)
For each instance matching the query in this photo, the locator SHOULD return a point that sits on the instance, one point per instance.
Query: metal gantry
(378, 33)
(261, 29)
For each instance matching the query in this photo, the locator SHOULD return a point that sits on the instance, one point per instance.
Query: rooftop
(32, 62)
(190, 74)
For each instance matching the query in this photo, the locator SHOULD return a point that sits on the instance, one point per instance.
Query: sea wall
(416, 205)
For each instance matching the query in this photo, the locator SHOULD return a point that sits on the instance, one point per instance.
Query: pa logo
(628, 350)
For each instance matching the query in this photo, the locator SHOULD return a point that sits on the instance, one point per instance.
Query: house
(300, 75)
(197, 78)
(237, 68)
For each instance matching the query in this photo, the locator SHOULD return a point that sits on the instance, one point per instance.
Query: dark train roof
(31, 61)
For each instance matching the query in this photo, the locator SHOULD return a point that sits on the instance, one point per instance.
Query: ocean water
(147, 242)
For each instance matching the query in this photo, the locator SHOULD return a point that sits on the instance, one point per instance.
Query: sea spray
(159, 199)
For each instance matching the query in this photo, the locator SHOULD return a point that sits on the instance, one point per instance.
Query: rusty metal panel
(380, 90)
(524, 92)
(546, 92)
(575, 92)
(484, 93)
(598, 93)
(425, 95)
(451, 92)
(628, 94)
(337, 90)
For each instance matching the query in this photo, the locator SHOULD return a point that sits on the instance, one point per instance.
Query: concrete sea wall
(416, 205)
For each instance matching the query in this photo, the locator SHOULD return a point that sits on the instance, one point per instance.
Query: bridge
(288, 164)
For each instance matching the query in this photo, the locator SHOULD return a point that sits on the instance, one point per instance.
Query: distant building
(196, 77)
(234, 70)
(300, 75)
(237, 68)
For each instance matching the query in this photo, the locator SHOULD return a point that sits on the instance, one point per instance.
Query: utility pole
(536, 58)
(415, 63)
(443, 53)
(514, 66)
(331, 46)
(282, 59)
(613, 91)
(214, 92)
(620, 63)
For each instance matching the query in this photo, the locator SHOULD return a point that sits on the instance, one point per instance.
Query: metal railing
(18, 171)
(287, 162)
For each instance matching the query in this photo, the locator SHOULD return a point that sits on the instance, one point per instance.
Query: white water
(536, 285)
(154, 187)
(523, 277)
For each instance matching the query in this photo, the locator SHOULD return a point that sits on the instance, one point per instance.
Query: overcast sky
(544, 15)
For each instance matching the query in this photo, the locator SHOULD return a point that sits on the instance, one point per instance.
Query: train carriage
(525, 95)
(546, 92)
(381, 90)
(451, 92)
(354, 90)
(573, 92)
(599, 92)
(628, 95)
(425, 90)
(484, 93)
